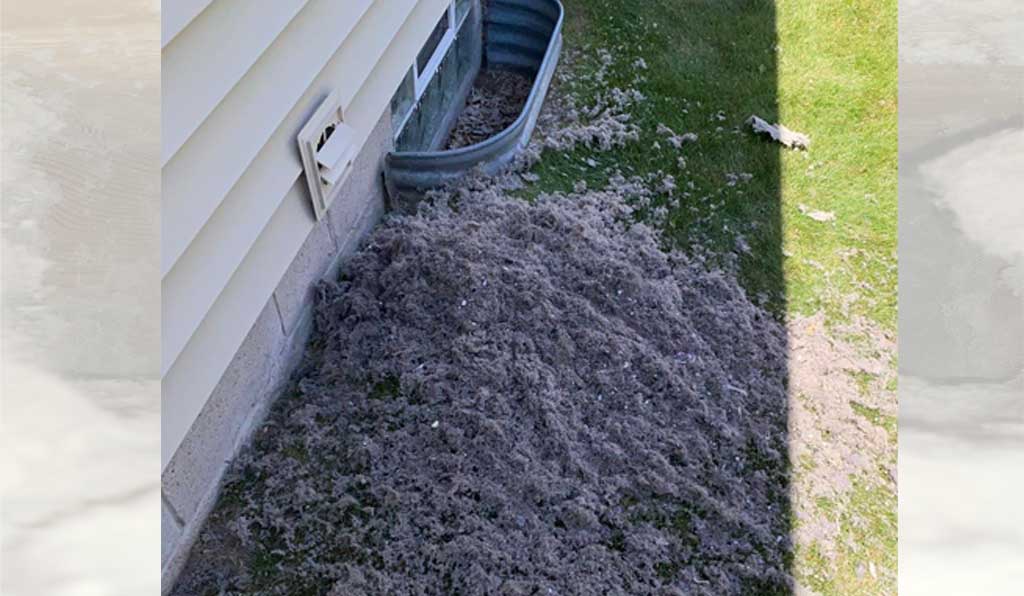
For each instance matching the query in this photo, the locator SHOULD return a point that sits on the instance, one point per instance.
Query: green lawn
(826, 68)
(838, 83)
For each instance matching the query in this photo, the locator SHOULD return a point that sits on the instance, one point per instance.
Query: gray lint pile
(518, 399)
(495, 101)
(513, 398)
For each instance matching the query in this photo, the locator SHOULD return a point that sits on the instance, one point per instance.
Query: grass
(837, 82)
(872, 415)
(868, 534)
(825, 68)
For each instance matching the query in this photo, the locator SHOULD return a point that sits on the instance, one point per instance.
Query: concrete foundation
(261, 369)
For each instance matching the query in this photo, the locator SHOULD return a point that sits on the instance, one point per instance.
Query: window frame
(422, 79)
(455, 13)
(410, 76)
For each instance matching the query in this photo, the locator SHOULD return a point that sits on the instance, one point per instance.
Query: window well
(490, 75)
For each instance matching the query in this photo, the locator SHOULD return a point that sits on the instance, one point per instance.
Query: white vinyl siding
(226, 236)
(191, 85)
(232, 228)
(175, 15)
(200, 174)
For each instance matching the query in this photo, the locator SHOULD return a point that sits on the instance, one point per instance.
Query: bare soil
(842, 415)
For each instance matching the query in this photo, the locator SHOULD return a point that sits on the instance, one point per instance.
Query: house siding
(176, 15)
(242, 248)
(218, 245)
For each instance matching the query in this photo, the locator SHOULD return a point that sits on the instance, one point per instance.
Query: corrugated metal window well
(473, 96)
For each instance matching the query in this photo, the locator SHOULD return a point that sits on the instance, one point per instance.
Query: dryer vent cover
(328, 147)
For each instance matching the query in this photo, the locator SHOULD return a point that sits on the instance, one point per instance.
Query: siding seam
(330, 231)
(280, 317)
(174, 512)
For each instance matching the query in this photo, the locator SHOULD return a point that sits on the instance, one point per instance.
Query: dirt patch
(495, 101)
(842, 421)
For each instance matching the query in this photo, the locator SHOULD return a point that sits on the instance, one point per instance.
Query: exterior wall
(174, 16)
(261, 368)
(221, 267)
(241, 247)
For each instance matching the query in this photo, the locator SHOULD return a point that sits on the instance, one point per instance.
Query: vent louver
(328, 146)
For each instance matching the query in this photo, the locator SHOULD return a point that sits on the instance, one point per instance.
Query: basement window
(461, 10)
(429, 49)
(433, 51)
(403, 100)
(427, 62)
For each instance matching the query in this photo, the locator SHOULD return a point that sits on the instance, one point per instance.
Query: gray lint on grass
(495, 101)
(514, 398)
